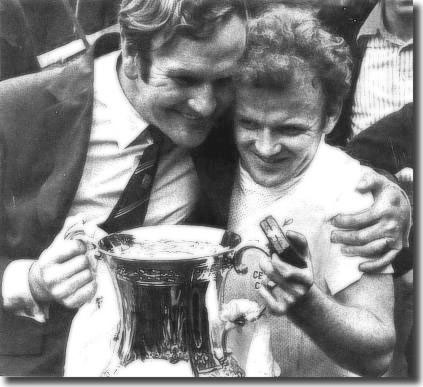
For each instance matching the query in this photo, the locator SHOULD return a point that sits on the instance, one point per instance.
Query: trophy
(167, 281)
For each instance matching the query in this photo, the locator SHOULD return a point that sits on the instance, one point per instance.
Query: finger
(59, 273)
(299, 243)
(378, 264)
(271, 275)
(372, 249)
(356, 220)
(363, 236)
(287, 272)
(72, 284)
(267, 283)
(275, 307)
(371, 181)
(64, 250)
(265, 264)
(81, 296)
(297, 290)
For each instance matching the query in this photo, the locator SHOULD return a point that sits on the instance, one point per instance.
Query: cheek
(167, 92)
(305, 148)
(225, 96)
(243, 139)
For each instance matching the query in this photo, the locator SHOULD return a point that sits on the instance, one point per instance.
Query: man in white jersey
(330, 319)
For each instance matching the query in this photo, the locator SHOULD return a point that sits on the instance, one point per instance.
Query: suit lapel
(70, 120)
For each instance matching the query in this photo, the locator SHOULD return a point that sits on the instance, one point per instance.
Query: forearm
(352, 336)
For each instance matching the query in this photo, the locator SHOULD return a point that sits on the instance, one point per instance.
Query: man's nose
(203, 100)
(267, 144)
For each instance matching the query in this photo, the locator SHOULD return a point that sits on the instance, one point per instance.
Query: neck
(398, 25)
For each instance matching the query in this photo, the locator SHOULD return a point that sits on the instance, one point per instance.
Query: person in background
(385, 76)
(17, 54)
(345, 17)
(51, 26)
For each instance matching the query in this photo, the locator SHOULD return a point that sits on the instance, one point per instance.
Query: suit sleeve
(18, 335)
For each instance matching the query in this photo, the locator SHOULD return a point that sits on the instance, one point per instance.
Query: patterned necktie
(131, 207)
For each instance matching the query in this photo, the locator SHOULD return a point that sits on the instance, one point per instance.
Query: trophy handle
(239, 251)
(77, 232)
(223, 352)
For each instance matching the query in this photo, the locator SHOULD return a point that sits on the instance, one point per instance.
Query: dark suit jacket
(45, 122)
(17, 54)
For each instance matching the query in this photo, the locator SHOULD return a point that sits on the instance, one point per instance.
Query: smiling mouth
(191, 116)
(269, 161)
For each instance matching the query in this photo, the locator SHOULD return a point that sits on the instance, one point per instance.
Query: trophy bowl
(167, 281)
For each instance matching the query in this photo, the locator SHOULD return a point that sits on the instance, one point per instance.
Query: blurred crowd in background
(30, 28)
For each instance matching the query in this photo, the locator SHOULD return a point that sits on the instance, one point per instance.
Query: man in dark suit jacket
(47, 130)
(46, 122)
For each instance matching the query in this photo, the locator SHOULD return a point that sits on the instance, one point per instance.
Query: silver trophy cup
(167, 280)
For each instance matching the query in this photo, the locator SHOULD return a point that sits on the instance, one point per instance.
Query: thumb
(298, 242)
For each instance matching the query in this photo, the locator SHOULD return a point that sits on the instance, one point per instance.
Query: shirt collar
(124, 116)
(374, 26)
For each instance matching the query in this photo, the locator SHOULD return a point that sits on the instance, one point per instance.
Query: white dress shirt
(108, 168)
(385, 81)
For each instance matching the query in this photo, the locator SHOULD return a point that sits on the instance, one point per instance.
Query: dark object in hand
(278, 243)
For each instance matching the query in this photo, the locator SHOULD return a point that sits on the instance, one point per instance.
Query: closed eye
(222, 82)
(290, 130)
(185, 81)
(248, 124)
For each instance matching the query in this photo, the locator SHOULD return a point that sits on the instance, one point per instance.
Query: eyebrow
(240, 116)
(297, 124)
(181, 72)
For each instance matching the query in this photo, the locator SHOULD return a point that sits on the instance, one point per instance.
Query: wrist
(38, 291)
(301, 307)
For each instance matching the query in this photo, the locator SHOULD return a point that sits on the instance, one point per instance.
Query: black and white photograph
(207, 189)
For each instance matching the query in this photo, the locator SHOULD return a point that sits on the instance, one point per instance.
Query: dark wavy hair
(282, 39)
(141, 20)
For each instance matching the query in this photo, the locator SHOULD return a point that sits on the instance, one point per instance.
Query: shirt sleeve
(17, 296)
(342, 271)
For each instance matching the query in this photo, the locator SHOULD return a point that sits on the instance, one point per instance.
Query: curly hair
(282, 39)
(142, 20)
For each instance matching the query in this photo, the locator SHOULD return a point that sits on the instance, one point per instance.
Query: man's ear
(332, 119)
(129, 62)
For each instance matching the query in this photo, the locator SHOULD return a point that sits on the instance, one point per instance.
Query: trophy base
(229, 369)
(152, 368)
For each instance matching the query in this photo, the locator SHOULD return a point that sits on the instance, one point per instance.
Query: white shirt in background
(385, 81)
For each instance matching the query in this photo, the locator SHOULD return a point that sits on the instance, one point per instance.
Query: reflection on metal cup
(169, 298)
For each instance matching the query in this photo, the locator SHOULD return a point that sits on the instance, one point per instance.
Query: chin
(266, 181)
(190, 139)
